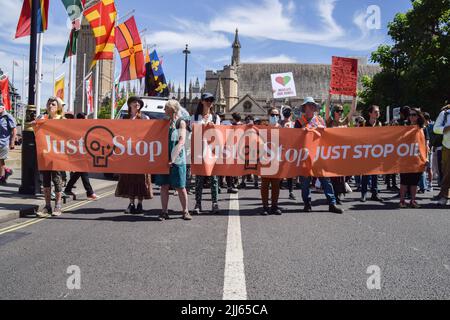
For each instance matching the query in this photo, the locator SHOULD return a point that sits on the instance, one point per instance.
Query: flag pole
(14, 87)
(23, 81)
(83, 99)
(96, 91)
(54, 74)
(113, 80)
(39, 73)
(69, 95)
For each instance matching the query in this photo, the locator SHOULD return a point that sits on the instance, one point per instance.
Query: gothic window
(247, 107)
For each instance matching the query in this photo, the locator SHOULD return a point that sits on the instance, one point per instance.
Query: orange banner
(286, 153)
(110, 146)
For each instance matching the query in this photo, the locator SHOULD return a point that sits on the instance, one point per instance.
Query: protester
(289, 123)
(177, 161)
(83, 175)
(311, 121)
(426, 180)
(409, 181)
(132, 186)
(337, 120)
(372, 121)
(442, 127)
(8, 133)
(273, 183)
(204, 115)
(55, 111)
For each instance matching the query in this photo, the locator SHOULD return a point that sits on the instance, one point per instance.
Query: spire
(220, 96)
(236, 59)
(197, 83)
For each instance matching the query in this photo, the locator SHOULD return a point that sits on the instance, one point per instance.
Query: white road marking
(234, 287)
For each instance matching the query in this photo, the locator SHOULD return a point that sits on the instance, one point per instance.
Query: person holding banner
(132, 186)
(409, 181)
(177, 154)
(310, 120)
(204, 115)
(55, 111)
(336, 119)
(275, 183)
(288, 123)
(442, 126)
(373, 121)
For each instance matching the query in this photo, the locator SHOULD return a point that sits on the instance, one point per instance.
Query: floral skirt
(134, 186)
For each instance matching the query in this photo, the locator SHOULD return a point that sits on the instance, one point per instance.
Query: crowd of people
(139, 186)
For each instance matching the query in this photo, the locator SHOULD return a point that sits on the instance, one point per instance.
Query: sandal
(187, 216)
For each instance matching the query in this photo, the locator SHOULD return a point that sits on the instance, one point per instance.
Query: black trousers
(84, 178)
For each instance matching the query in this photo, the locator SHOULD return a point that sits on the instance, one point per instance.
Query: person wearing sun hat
(311, 120)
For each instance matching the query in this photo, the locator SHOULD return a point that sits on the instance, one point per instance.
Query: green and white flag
(74, 9)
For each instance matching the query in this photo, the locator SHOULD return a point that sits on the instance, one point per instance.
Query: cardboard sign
(283, 85)
(344, 76)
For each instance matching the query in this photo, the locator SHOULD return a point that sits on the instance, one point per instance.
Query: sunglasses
(339, 111)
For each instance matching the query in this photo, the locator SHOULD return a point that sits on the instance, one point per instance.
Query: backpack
(7, 122)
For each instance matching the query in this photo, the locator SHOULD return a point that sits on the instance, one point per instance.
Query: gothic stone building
(246, 87)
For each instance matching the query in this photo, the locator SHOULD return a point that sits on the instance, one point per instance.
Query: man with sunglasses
(311, 120)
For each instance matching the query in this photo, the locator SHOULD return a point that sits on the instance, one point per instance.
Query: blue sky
(302, 31)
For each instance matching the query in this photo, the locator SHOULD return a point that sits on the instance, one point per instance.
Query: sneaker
(197, 209)
(265, 211)
(292, 196)
(414, 205)
(334, 209)
(442, 201)
(57, 212)
(363, 199)
(8, 173)
(45, 212)
(92, 197)
(187, 216)
(215, 208)
(307, 208)
(232, 190)
(162, 216)
(276, 211)
(403, 205)
(139, 209)
(131, 209)
(376, 197)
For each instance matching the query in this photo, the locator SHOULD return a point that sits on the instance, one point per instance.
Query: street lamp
(186, 53)
(30, 177)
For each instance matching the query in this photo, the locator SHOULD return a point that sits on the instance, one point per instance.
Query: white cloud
(276, 59)
(197, 35)
(274, 21)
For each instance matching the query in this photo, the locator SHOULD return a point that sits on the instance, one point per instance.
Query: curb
(29, 210)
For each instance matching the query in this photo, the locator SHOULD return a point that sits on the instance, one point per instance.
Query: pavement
(13, 205)
(236, 254)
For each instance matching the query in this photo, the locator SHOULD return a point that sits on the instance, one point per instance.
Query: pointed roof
(236, 43)
(220, 96)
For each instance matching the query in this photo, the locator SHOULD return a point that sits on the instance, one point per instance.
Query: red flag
(24, 24)
(90, 97)
(129, 45)
(4, 89)
(344, 76)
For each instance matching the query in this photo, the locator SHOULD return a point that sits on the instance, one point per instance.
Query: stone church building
(246, 87)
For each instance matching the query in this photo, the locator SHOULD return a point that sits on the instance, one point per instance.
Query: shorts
(55, 176)
(4, 153)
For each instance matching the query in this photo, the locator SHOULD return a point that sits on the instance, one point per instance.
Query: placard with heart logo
(283, 85)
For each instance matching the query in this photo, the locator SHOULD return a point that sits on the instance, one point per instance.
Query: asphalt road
(298, 255)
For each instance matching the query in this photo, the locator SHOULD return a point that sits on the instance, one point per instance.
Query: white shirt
(440, 126)
(201, 120)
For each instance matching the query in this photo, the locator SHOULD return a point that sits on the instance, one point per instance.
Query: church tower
(236, 59)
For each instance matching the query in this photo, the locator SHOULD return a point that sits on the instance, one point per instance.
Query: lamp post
(30, 177)
(186, 53)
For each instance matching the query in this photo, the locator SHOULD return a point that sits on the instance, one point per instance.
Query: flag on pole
(59, 87)
(159, 88)
(4, 90)
(24, 24)
(129, 45)
(102, 18)
(89, 95)
(74, 9)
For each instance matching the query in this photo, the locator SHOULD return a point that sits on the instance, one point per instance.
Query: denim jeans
(374, 185)
(326, 185)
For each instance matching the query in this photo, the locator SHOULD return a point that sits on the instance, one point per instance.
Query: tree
(416, 68)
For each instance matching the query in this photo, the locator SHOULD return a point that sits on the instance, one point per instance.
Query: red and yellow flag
(102, 18)
(24, 24)
(129, 45)
(59, 88)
